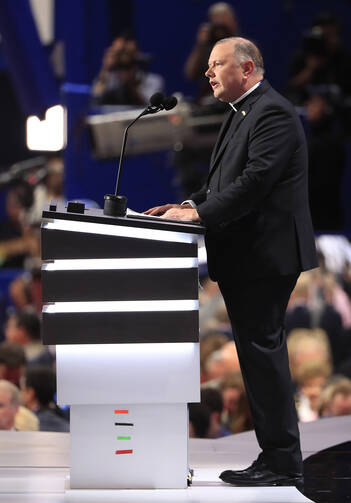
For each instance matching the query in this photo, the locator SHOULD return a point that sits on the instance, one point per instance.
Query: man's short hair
(212, 398)
(43, 382)
(246, 50)
(12, 355)
(13, 390)
(31, 324)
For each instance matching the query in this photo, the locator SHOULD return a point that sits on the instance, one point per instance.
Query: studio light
(48, 134)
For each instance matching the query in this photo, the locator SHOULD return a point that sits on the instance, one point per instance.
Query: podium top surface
(94, 215)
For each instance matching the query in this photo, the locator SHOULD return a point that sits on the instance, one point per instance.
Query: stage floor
(34, 469)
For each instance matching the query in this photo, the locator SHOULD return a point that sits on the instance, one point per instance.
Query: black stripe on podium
(121, 285)
(58, 244)
(120, 327)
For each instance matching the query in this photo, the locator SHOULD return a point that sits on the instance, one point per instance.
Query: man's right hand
(160, 210)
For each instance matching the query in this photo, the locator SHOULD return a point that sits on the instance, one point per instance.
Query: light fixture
(48, 134)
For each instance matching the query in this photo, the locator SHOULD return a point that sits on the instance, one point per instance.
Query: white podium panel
(129, 446)
(128, 373)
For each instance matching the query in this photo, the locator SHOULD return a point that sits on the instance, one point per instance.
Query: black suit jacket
(255, 202)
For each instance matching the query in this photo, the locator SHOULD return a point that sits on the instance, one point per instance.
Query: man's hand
(181, 213)
(160, 210)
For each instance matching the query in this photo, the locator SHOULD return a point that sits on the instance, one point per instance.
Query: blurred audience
(310, 378)
(323, 64)
(50, 189)
(306, 345)
(123, 78)
(24, 328)
(335, 399)
(213, 400)
(12, 362)
(210, 343)
(190, 163)
(38, 391)
(9, 403)
(326, 156)
(221, 362)
(199, 420)
(19, 240)
(236, 410)
(222, 23)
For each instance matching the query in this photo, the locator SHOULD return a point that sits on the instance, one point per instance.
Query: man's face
(7, 410)
(12, 332)
(225, 75)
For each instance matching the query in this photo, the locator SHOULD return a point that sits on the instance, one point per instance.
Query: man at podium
(259, 237)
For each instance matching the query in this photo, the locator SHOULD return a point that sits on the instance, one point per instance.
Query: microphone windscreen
(170, 102)
(157, 99)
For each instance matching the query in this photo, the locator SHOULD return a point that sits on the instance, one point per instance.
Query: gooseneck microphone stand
(116, 205)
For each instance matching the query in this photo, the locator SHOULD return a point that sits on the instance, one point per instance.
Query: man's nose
(209, 73)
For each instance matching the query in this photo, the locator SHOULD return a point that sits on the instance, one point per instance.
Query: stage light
(117, 263)
(118, 230)
(119, 306)
(48, 134)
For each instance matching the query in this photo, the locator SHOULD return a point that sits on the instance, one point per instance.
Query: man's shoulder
(271, 98)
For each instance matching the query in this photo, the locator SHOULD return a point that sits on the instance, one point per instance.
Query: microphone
(170, 103)
(116, 205)
(157, 99)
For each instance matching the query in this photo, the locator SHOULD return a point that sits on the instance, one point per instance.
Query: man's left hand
(187, 214)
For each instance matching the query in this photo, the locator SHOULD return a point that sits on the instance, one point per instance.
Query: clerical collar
(237, 101)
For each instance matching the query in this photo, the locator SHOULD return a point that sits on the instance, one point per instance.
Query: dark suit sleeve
(270, 147)
(199, 196)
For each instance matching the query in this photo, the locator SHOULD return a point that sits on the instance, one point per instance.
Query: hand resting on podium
(183, 212)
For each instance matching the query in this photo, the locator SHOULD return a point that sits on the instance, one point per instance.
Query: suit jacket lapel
(226, 134)
(236, 121)
(221, 134)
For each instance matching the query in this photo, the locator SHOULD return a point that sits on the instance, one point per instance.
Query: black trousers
(256, 309)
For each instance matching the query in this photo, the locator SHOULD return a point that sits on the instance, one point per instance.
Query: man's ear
(248, 68)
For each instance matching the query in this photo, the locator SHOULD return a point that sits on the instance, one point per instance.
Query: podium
(121, 305)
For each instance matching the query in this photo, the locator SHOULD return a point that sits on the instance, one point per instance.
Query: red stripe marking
(128, 451)
(121, 411)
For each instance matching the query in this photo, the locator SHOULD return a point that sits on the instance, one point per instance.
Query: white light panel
(48, 134)
(122, 306)
(128, 373)
(121, 231)
(113, 263)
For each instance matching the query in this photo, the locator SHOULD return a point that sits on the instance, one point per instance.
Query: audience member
(199, 420)
(191, 163)
(210, 343)
(310, 377)
(51, 189)
(18, 239)
(38, 391)
(12, 362)
(222, 23)
(326, 159)
(335, 399)
(9, 404)
(236, 410)
(122, 79)
(26, 420)
(221, 362)
(24, 329)
(212, 399)
(12, 369)
(307, 345)
(322, 64)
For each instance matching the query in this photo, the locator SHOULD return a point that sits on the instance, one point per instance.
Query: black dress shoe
(258, 474)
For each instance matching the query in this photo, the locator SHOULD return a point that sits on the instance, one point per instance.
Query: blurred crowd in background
(318, 319)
